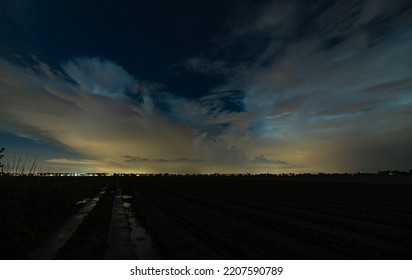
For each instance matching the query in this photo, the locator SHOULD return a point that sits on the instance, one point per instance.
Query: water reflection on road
(143, 246)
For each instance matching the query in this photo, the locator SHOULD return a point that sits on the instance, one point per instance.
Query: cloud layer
(99, 76)
(313, 88)
(81, 111)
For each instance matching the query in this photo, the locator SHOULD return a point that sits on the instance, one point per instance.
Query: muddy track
(89, 239)
(99, 230)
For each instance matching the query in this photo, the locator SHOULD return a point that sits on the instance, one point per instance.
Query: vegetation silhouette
(1, 156)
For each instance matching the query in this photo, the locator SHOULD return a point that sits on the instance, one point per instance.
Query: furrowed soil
(247, 218)
(208, 217)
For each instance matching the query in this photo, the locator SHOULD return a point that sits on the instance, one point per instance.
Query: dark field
(203, 217)
(33, 207)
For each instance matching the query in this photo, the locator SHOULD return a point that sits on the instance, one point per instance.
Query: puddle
(84, 201)
(143, 246)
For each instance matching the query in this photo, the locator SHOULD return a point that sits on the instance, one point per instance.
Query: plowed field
(235, 218)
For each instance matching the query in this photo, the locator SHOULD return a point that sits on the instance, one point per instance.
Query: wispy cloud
(141, 159)
(69, 161)
(99, 76)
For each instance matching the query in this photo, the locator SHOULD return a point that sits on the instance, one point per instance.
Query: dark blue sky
(150, 39)
(206, 86)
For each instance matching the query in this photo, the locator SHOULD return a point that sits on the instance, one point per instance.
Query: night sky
(207, 86)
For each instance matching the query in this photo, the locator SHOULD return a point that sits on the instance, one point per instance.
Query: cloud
(263, 160)
(276, 17)
(207, 66)
(323, 75)
(94, 126)
(138, 159)
(217, 150)
(68, 161)
(376, 8)
(318, 87)
(146, 88)
(53, 110)
(98, 76)
(351, 108)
